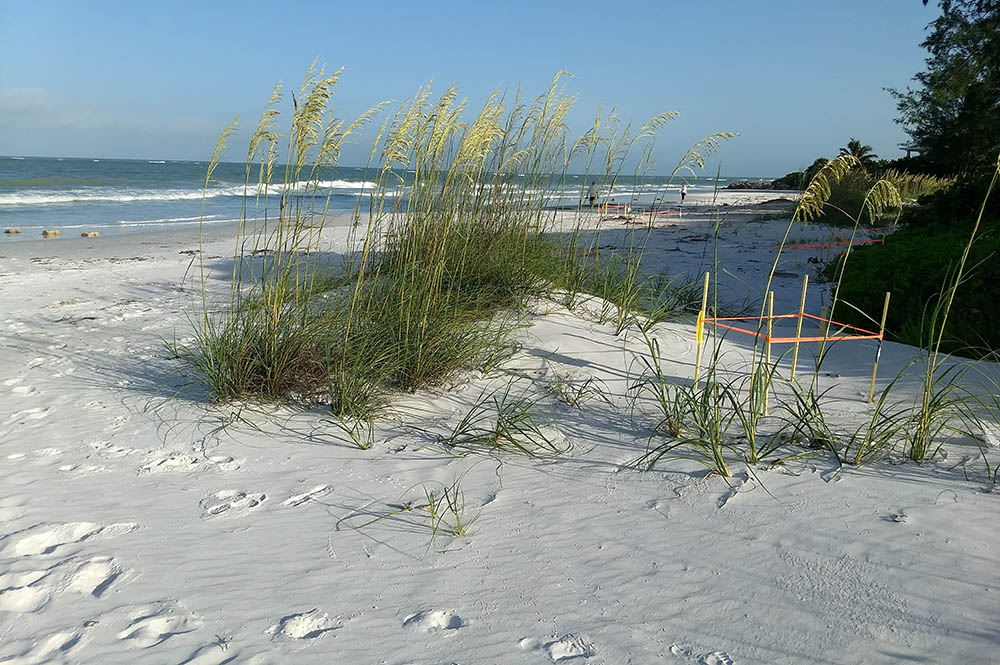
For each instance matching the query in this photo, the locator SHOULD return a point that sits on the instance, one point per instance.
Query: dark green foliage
(911, 164)
(955, 205)
(952, 114)
(913, 264)
(799, 179)
(847, 197)
(865, 154)
(793, 180)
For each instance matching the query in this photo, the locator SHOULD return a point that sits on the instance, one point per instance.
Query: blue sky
(160, 80)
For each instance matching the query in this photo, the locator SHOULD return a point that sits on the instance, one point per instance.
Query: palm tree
(865, 153)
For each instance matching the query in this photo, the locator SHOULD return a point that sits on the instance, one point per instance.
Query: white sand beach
(140, 524)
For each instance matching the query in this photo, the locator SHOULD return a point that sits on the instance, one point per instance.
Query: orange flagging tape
(863, 334)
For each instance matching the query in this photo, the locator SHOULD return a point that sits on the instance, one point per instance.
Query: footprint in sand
(314, 493)
(175, 462)
(681, 650)
(216, 653)
(106, 449)
(305, 626)
(75, 470)
(42, 455)
(95, 577)
(715, 658)
(47, 538)
(23, 578)
(22, 417)
(53, 648)
(24, 599)
(432, 621)
(569, 647)
(157, 624)
(231, 503)
(25, 391)
(223, 462)
(11, 508)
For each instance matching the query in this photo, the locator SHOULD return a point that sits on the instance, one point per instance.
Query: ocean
(114, 196)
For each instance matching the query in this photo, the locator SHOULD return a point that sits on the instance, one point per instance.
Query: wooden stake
(878, 352)
(699, 329)
(767, 346)
(798, 325)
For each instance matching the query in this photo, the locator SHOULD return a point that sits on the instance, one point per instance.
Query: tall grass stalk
(937, 404)
(695, 419)
(457, 228)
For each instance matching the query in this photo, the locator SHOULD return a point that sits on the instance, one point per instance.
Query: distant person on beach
(684, 191)
(592, 193)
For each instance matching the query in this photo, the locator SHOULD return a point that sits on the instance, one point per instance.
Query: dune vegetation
(445, 261)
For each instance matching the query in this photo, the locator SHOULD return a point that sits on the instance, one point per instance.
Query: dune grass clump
(941, 403)
(441, 512)
(575, 393)
(454, 234)
(501, 421)
(694, 423)
(723, 418)
(704, 431)
(944, 406)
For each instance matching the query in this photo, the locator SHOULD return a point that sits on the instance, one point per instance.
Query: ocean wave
(166, 221)
(180, 221)
(126, 195)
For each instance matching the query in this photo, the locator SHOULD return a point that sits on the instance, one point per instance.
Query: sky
(795, 78)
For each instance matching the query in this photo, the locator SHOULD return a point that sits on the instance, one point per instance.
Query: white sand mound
(139, 524)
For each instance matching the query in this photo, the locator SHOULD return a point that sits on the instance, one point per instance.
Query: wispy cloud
(30, 108)
(34, 118)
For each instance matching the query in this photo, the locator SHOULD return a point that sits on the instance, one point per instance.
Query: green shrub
(955, 205)
(847, 196)
(914, 264)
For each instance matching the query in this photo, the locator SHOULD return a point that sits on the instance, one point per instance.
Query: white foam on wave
(166, 221)
(180, 221)
(124, 195)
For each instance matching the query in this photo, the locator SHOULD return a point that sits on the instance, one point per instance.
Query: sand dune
(142, 525)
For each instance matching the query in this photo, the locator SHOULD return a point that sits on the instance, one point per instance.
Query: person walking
(592, 193)
(684, 191)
